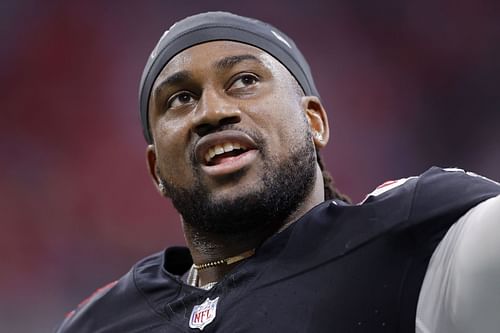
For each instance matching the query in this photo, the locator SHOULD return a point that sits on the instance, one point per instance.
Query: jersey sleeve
(441, 196)
(94, 297)
(430, 203)
(122, 306)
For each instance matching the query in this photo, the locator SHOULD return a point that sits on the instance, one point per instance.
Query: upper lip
(219, 138)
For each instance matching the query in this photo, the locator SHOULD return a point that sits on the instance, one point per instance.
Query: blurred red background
(407, 84)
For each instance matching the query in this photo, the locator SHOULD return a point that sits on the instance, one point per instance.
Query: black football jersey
(339, 268)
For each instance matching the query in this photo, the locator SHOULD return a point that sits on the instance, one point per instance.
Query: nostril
(229, 120)
(206, 128)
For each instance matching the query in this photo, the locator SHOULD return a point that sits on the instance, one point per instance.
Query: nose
(214, 111)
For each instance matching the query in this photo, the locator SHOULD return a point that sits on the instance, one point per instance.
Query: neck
(209, 247)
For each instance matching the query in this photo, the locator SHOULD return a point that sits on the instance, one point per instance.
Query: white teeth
(221, 149)
(209, 155)
(218, 150)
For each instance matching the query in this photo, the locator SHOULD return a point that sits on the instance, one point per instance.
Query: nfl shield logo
(203, 314)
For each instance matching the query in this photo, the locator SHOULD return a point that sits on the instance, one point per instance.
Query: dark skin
(211, 85)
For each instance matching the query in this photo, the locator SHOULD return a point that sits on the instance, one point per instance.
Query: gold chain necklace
(226, 261)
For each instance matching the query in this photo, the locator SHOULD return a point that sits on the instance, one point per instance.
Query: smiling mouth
(226, 152)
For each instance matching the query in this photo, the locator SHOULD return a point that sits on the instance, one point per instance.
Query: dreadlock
(331, 191)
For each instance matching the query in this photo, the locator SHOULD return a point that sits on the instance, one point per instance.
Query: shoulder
(436, 181)
(113, 304)
(452, 189)
(438, 193)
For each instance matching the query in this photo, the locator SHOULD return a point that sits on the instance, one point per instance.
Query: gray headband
(214, 26)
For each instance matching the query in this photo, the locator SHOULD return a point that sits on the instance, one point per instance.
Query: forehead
(208, 55)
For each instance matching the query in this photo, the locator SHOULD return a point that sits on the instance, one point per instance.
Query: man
(234, 124)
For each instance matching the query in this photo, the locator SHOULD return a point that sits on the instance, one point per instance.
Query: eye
(179, 99)
(243, 81)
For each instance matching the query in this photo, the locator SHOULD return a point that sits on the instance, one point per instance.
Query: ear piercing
(161, 187)
(318, 136)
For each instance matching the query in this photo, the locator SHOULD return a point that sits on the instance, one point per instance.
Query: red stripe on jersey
(86, 300)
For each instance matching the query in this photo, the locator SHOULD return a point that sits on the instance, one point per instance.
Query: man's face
(231, 138)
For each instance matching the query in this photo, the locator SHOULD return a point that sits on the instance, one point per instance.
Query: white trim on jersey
(386, 186)
(470, 173)
(391, 184)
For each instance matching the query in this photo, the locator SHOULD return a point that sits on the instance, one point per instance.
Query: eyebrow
(220, 65)
(228, 62)
(174, 79)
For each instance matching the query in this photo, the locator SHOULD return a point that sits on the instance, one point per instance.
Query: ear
(317, 119)
(151, 160)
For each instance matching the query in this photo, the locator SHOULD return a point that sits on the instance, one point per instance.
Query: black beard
(284, 185)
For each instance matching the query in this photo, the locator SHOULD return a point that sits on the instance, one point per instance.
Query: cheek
(172, 155)
(174, 169)
(283, 120)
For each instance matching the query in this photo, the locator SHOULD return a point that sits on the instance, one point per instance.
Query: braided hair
(331, 191)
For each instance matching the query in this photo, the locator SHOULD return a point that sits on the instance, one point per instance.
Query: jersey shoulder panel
(438, 193)
(449, 193)
(112, 307)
